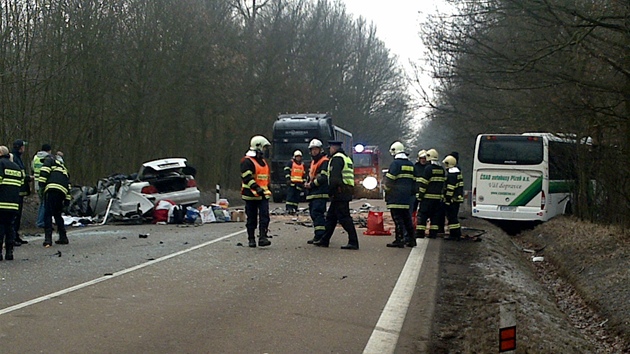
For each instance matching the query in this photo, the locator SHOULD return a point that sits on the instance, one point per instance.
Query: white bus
(526, 177)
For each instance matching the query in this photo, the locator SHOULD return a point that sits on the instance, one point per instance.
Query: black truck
(294, 132)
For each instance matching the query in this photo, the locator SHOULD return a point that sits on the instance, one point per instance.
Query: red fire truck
(367, 172)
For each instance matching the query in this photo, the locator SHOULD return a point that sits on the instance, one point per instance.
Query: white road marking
(385, 335)
(114, 275)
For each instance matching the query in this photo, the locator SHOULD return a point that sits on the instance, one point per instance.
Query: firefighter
(19, 147)
(54, 181)
(430, 195)
(399, 189)
(340, 189)
(317, 187)
(36, 166)
(11, 181)
(421, 163)
(453, 196)
(295, 174)
(255, 175)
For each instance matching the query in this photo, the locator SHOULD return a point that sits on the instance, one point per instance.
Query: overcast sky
(397, 24)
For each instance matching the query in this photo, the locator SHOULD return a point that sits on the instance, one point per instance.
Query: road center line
(114, 275)
(385, 335)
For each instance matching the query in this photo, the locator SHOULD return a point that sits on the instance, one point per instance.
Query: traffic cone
(375, 225)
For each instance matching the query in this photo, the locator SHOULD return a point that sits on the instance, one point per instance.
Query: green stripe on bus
(529, 193)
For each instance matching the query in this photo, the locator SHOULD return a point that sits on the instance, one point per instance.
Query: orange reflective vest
(315, 166)
(297, 173)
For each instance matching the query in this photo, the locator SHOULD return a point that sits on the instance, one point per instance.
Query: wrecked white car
(134, 196)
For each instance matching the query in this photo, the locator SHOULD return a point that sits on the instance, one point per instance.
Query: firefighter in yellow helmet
(340, 189)
(255, 176)
(431, 184)
(399, 189)
(295, 175)
(453, 196)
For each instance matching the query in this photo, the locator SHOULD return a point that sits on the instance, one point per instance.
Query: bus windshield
(362, 160)
(511, 150)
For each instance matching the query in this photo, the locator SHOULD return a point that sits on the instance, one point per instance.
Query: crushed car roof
(166, 164)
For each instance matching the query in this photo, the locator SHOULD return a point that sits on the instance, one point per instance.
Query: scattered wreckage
(132, 197)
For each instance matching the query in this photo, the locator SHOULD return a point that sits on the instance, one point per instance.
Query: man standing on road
(399, 188)
(340, 189)
(11, 180)
(294, 173)
(255, 174)
(18, 149)
(317, 187)
(55, 182)
(453, 196)
(36, 166)
(430, 195)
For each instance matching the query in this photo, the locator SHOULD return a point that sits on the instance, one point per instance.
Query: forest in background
(117, 83)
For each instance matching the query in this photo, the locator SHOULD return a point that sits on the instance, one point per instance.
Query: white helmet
(258, 142)
(396, 148)
(297, 153)
(422, 154)
(315, 143)
(449, 161)
(432, 155)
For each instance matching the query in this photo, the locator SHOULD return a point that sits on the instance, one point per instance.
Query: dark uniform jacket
(432, 182)
(319, 184)
(454, 191)
(26, 186)
(54, 175)
(11, 181)
(400, 182)
(251, 190)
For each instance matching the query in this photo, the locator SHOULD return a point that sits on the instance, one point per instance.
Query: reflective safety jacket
(454, 191)
(54, 175)
(11, 180)
(295, 173)
(255, 175)
(318, 177)
(400, 181)
(340, 177)
(432, 182)
(36, 165)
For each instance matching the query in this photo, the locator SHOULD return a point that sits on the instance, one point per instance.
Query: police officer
(340, 188)
(430, 195)
(317, 187)
(453, 196)
(399, 189)
(295, 174)
(18, 149)
(255, 175)
(11, 181)
(55, 182)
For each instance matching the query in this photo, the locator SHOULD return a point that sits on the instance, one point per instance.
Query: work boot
(398, 243)
(410, 242)
(263, 241)
(63, 239)
(48, 238)
(9, 254)
(251, 238)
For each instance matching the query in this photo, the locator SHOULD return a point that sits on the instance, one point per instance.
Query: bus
(526, 177)
(294, 132)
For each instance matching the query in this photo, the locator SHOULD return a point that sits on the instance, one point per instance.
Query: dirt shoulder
(576, 300)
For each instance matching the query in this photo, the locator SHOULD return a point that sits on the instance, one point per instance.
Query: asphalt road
(196, 290)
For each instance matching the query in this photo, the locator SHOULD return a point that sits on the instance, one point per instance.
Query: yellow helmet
(258, 142)
(432, 155)
(449, 161)
(297, 153)
(422, 154)
(396, 148)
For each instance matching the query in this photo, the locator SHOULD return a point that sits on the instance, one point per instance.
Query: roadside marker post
(507, 327)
